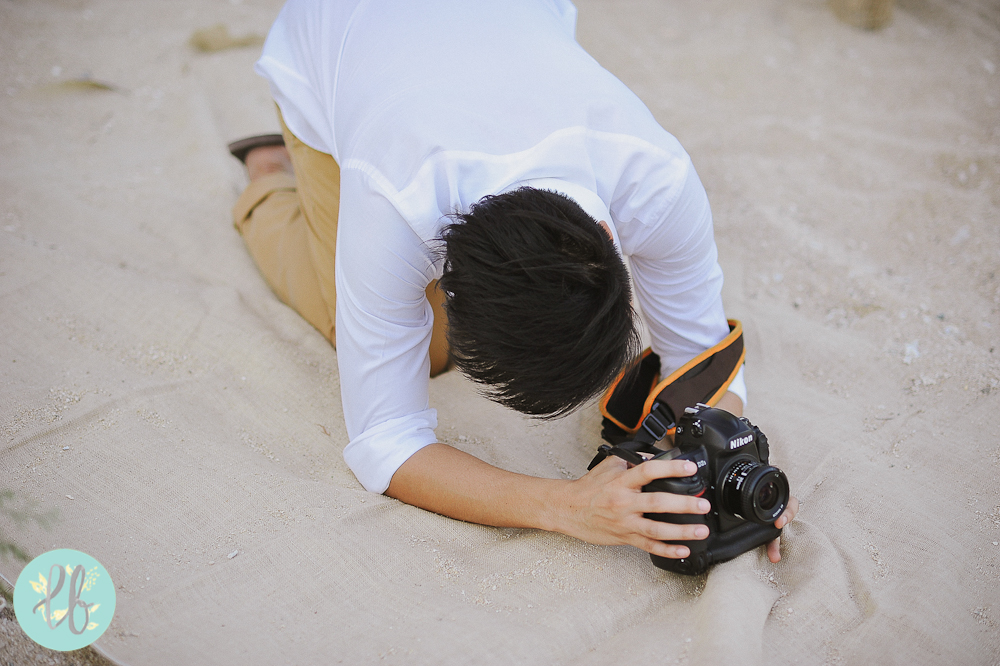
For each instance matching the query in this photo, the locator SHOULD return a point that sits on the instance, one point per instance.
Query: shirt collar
(591, 204)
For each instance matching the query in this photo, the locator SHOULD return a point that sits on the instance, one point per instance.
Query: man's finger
(656, 547)
(774, 550)
(670, 503)
(788, 514)
(671, 532)
(660, 469)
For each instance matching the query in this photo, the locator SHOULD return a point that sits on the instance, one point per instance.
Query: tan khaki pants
(289, 224)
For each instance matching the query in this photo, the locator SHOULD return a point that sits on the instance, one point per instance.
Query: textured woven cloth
(186, 426)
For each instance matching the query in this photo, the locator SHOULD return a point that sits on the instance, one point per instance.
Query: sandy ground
(855, 182)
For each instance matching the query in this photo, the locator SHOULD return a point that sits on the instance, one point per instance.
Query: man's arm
(604, 506)
(731, 403)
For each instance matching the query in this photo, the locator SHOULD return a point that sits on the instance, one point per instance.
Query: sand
(855, 182)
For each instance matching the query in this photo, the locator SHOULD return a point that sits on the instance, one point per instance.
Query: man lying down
(458, 183)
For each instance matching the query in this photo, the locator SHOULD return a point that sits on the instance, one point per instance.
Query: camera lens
(754, 491)
(767, 496)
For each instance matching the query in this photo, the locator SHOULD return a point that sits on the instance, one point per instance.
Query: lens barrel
(754, 491)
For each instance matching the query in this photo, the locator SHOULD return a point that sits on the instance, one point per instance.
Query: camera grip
(687, 485)
(718, 547)
(699, 559)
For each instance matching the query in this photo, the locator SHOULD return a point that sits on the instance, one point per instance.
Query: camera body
(747, 494)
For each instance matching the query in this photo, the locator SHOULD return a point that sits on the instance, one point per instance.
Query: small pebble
(996, 543)
(69, 496)
(233, 554)
(65, 448)
(211, 563)
(791, 610)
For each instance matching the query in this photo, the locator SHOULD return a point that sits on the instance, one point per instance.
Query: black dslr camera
(746, 493)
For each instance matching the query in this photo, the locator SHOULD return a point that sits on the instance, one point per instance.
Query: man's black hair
(538, 301)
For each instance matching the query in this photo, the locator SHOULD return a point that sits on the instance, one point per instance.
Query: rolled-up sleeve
(383, 333)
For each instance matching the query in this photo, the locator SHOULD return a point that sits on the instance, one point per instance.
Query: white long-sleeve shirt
(430, 106)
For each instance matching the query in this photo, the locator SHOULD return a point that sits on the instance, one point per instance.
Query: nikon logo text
(740, 441)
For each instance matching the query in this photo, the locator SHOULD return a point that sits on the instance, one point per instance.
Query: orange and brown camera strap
(639, 390)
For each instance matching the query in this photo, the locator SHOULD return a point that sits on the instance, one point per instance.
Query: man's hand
(606, 506)
(774, 548)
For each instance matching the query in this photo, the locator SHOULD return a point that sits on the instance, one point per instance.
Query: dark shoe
(239, 149)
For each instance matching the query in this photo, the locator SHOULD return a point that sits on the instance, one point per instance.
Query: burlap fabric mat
(161, 400)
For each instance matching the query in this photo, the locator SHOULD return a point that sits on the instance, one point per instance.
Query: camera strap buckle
(656, 424)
